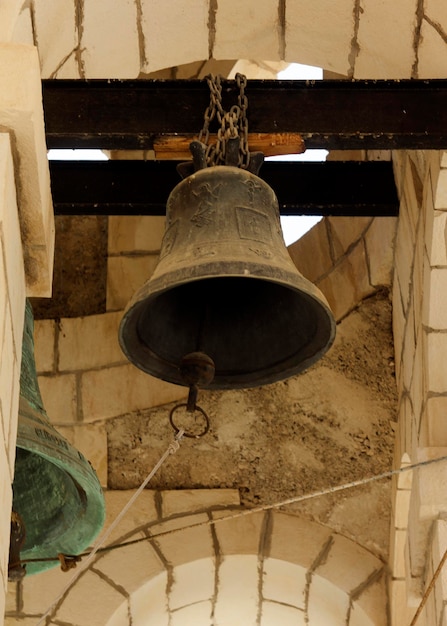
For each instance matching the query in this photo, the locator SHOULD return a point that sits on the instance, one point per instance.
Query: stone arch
(137, 39)
(264, 568)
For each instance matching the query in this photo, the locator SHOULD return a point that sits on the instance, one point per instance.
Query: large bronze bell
(57, 497)
(226, 286)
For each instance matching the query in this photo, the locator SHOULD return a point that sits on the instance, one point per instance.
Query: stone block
(142, 512)
(130, 567)
(241, 535)
(2, 595)
(238, 584)
(436, 237)
(60, 398)
(13, 422)
(436, 365)
(413, 194)
(397, 553)
(182, 544)
(316, 40)
(435, 421)
(440, 195)
(9, 389)
(382, 54)
(402, 508)
(246, 30)
(357, 565)
(194, 500)
(39, 592)
(9, 11)
(189, 31)
(11, 604)
(192, 583)
(327, 602)
(438, 548)
(312, 253)
(23, 29)
(427, 504)
(275, 613)
(348, 284)
(130, 234)
(150, 599)
(5, 517)
(117, 390)
(57, 34)
(409, 350)
(110, 39)
(284, 582)
(92, 600)
(435, 299)
(346, 232)
(373, 603)
(126, 274)
(432, 54)
(297, 540)
(399, 323)
(89, 342)
(398, 603)
(24, 621)
(405, 479)
(199, 613)
(404, 256)
(11, 241)
(21, 113)
(418, 279)
(91, 440)
(44, 337)
(417, 390)
(379, 241)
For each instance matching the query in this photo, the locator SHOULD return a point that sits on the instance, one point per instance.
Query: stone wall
(420, 324)
(88, 40)
(270, 564)
(87, 383)
(26, 240)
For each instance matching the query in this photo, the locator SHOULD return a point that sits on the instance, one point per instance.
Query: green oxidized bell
(56, 492)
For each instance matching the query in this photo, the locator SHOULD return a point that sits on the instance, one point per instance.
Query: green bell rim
(55, 490)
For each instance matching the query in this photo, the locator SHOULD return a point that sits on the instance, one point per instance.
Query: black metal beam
(143, 187)
(333, 114)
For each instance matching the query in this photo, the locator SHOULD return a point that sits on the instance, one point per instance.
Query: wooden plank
(331, 114)
(143, 187)
(270, 144)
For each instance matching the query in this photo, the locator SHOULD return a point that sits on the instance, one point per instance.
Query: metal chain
(232, 123)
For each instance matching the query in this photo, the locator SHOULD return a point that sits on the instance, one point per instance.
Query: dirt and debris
(330, 425)
(80, 269)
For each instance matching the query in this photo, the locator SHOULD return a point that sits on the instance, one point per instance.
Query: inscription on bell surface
(207, 196)
(253, 225)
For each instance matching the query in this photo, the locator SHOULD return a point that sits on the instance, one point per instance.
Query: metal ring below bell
(186, 434)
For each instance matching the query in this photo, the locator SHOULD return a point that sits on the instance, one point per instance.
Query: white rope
(171, 449)
(302, 498)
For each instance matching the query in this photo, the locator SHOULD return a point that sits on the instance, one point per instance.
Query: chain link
(232, 123)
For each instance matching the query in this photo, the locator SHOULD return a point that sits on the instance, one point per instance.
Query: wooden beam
(331, 114)
(143, 187)
(270, 144)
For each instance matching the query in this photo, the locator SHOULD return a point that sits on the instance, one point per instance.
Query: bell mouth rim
(288, 280)
(54, 449)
